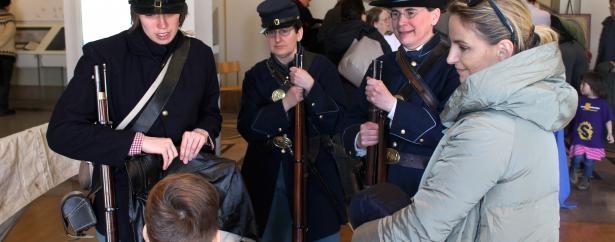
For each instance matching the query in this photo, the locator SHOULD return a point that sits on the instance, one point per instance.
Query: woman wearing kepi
(271, 90)
(494, 175)
(133, 59)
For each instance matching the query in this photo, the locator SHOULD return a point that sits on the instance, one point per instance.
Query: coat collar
(530, 85)
(140, 44)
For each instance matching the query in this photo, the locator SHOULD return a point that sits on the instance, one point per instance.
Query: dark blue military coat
(133, 62)
(260, 119)
(415, 129)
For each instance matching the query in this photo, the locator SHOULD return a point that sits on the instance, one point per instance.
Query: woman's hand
(293, 96)
(368, 135)
(161, 146)
(378, 94)
(192, 142)
(301, 78)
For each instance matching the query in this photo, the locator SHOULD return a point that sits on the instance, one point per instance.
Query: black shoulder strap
(161, 96)
(415, 79)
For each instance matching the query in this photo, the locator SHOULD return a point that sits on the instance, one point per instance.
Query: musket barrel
(299, 210)
(376, 164)
(107, 176)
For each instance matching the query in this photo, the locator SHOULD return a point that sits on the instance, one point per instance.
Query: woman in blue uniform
(133, 59)
(271, 90)
(414, 127)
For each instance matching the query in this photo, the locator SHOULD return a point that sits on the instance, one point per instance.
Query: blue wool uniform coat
(415, 128)
(133, 62)
(260, 119)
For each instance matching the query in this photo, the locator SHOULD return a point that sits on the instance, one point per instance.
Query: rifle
(299, 197)
(107, 176)
(376, 164)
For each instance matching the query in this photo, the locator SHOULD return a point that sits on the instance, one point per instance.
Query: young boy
(183, 207)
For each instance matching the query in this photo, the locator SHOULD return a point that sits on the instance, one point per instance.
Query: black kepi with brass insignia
(276, 14)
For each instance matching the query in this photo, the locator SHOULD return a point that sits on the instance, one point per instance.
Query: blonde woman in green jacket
(494, 175)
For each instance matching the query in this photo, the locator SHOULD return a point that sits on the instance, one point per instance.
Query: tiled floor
(592, 220)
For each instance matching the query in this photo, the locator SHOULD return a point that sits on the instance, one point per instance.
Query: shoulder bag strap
(166, 88)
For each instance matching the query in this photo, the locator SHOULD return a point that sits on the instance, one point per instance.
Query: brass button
(403, 131)
(268, 136)
(283, 151)
(421, 140)
(413, 63)
(280, 129)
(313, 104)
(165, 113)
(320, 116)
(394, 144)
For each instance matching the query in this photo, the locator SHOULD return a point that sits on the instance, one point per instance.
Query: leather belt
(411, 160)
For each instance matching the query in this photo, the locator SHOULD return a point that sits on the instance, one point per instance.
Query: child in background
(587, 132)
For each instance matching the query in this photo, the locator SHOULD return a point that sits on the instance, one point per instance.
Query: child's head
(181, 207)
(592, 84)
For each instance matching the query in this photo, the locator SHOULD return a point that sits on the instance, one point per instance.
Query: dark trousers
(6, 72)
(589, 164)
(406, 178)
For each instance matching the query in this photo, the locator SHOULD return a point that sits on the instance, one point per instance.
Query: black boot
(584, 184)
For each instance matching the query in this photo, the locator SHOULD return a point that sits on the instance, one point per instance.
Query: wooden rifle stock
(107, 176)
(299, 197)
(376, 171)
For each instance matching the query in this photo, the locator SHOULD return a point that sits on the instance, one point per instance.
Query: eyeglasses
(272, 33)
(505, 21)
(409, 13)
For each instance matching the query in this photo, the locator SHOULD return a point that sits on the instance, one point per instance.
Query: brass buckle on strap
(158, 4)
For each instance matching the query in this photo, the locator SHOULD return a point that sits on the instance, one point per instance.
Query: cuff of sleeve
(137, 144)
(391, 114)
(360, 152)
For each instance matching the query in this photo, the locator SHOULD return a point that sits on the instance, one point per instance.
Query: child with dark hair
(587, 133)
(183, 207)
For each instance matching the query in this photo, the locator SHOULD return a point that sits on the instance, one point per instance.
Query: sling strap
(414, 77)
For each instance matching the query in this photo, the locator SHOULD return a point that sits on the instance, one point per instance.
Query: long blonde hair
(487, 25)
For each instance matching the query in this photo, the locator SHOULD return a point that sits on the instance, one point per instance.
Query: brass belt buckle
(392, 156)
(282, 142)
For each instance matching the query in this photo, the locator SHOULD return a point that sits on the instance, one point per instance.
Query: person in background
(494, 175)
(183, 207)
(592, 118)
(332, 18)
(380, 18)
(134, 58)
(310, 25)
(7, 55)
(606, 47)
(574, 54)
(271, 91)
